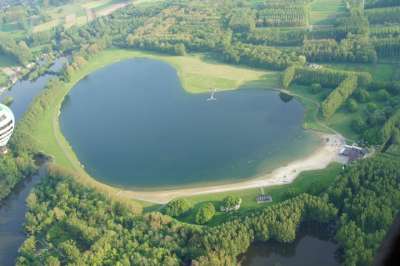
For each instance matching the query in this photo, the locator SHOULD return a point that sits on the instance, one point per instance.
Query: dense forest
(68, 223)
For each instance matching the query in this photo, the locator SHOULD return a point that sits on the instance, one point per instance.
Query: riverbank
(196, 75)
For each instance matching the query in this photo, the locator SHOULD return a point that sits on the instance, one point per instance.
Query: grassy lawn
(311, 104)
(313, 182)
(379, 71)
(323, 12)
(341, 121)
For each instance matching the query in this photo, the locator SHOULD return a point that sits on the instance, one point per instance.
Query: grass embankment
(313, 182)
(41, 121)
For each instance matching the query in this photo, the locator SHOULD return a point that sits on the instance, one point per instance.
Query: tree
(180, 49)
(24, 54)
(383, 95)
(205, 213)
(316, 88)
(337, 97)
(361, 95)
(231, 202)
(177, 207)
(352, 105)
(359, 125)
(288, 76)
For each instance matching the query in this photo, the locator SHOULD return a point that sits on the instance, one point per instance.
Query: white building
(7, 123)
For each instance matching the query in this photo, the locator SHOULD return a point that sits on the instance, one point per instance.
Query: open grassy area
(341, 121)
(313, 182)
(379, 71)
(323, 12)
(311, 102)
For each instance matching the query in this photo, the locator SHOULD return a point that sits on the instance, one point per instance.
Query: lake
(132, 125)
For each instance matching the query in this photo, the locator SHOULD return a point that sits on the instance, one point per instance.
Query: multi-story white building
(7, 123)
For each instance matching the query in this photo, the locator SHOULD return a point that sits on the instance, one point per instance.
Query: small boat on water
(212, 97)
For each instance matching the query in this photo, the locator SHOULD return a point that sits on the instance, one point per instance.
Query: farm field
(77, 13)
(324, 12)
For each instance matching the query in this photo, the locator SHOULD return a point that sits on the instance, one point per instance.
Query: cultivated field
(323, 12)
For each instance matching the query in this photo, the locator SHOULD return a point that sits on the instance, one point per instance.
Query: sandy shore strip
(328, 152)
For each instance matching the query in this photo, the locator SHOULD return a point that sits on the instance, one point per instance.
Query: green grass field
(323, 12)
(313, 182)
(379, 71)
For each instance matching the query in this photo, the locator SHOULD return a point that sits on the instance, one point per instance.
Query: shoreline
(327, 153)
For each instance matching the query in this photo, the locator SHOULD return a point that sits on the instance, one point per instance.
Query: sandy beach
(325, 154)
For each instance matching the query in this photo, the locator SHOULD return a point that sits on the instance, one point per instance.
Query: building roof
(264, 198)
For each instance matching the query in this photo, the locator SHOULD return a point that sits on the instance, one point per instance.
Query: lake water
(24, 91)
(131, 124)
(313, 246)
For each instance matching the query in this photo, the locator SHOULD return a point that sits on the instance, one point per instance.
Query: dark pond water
(12, 217)
(131, 124)
(311, 247)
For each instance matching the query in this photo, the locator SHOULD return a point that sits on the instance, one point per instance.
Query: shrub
(352, 105)
(231, 202)
(316, 88)
(205, 213)
(383, 95)
(358, 125)
(361, 95)
(338, 96)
